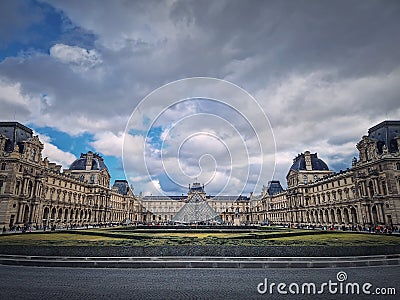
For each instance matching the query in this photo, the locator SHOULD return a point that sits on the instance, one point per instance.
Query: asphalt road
(78, 283)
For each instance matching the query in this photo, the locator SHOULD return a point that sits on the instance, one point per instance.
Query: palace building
(36, 192)
(367, 194)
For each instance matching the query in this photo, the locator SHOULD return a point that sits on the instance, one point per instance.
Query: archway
(333, 216)
(339, 216)
(53, 214)
(59, 217)
(374, 215)
(326, 217)
(66, 213)
(46, 212)
(353, 213)
(26, 215)
(346, 216)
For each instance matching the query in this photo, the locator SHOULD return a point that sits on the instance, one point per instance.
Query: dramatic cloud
(323, 73)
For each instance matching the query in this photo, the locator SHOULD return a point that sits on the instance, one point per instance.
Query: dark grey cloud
(323, 71)
(15, 17)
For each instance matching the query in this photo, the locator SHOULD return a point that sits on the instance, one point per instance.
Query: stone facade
(36, 192)
(365, 195)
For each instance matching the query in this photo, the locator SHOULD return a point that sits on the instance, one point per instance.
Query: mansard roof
(299, 163)
(97, 162)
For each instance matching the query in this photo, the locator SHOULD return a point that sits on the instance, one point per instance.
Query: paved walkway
(201, 261)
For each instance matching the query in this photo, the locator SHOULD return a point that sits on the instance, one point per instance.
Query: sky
(223, 92)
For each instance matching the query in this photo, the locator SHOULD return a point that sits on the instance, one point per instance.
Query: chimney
(89, 158)
(307, 158)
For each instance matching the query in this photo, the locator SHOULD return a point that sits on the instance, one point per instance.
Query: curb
(200, 262)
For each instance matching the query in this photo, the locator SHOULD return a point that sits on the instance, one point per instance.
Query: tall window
(384, 187)
(33, 155)
(3, 166)
(17, 186)
(1, 186)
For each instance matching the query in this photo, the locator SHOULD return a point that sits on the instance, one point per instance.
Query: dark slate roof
(196, 187)
(122, 186)
(80, 163)
(317, 164)
(274, 187)
(385, 133)
(16, 134)
(159, 198)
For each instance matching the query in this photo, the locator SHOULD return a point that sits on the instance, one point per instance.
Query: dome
(317, 164)
(88, 161)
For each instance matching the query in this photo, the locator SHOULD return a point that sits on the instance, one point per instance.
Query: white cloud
(79, 58)
(108, 143)
(322, 86)
(54, 154)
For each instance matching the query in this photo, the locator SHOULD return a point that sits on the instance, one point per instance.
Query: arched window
(371, 189)
(30, 188)
(33, 155)
(17, 187)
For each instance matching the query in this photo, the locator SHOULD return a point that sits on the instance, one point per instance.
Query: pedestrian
(4, 229)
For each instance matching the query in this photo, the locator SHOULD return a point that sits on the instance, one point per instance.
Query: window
(398, 166)
(3, 166)
(92, 179)
(30, 188)
(384, 187)
(1, 186)
(305, 179)
(33, 155)
(17, 187)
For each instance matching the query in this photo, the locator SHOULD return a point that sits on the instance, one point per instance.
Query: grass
(291, 237)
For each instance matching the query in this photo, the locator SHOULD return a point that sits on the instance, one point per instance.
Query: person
(4, 229)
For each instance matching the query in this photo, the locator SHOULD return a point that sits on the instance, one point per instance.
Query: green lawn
(260, 238)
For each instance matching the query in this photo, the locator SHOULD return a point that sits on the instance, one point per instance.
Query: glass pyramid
(196, 210)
